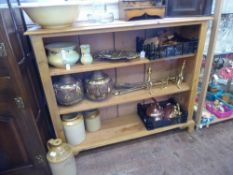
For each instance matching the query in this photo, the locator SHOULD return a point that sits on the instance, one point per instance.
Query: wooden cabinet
(120, 121)
(24, 127)
(188, 7)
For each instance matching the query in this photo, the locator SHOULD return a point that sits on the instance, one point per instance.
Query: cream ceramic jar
(62, 54)
(60, 157)
(92, 120)
(74, 128)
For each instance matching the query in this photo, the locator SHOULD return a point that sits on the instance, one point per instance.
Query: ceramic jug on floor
(61, 158)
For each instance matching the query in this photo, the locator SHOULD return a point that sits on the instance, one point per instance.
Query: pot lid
(67, 79)
(61, 46)
(98, 75)
(91, 114)
(72, 117)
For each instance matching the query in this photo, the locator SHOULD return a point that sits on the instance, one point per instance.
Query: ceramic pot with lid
(74, 128)
(98, 86)
(60, 157)
(92, 120)
(68, 90)
(62, 54)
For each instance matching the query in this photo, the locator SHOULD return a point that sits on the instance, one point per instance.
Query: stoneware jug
(86, 54)
(61, 158)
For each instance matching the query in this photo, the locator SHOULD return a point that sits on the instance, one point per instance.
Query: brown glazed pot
(68, 90)
(98, 86)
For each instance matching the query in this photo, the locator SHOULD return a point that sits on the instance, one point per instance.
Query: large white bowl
(51, 15)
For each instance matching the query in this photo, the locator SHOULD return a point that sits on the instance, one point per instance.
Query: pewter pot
(68, 90)
(98, 86)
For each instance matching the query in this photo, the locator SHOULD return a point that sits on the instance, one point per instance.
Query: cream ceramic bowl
(52, 15)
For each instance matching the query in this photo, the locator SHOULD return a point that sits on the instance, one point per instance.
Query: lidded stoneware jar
(92, 120)
(62, 54)
(68, 90)
(98, 86)
(61, 158)
(74, 128)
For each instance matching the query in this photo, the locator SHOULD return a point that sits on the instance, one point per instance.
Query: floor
(205, 152)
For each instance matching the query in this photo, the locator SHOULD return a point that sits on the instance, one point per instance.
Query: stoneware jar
(68, 90)
(86, 57)
(92, 120)
(74, 128)
(98, 86)
(62, 54)
(60, 158)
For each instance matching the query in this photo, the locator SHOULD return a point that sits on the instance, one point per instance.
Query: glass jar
(92, 120)
(60, 157)
(74, 128)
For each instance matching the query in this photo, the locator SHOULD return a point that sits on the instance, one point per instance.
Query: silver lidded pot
(68, 90)
(98, 86)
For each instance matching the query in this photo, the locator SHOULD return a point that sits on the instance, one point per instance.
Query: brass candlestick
(149, 82)
(180, 77)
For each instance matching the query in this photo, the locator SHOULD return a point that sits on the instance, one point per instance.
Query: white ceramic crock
(62, 54)
(74, 128)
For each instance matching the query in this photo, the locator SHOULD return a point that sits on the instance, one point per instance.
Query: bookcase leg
(191, 127)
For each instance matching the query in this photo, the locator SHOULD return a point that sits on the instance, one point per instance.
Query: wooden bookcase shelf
(117, 26)
(124, 123)
(131, 97)
(101, 65)
(121, 129)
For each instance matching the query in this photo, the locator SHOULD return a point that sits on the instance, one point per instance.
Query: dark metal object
(116, 55)
(183, 46)
(151, 122)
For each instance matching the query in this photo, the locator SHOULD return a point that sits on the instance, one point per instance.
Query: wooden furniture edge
(123, 99)
(41, 59)
(196, 70)
(118, 26)
(209, 60)
(111, 65)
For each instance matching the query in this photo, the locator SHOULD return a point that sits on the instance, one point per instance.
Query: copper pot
(155, 110)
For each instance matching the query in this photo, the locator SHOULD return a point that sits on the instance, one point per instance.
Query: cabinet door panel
(21, 149)
(12, 150)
